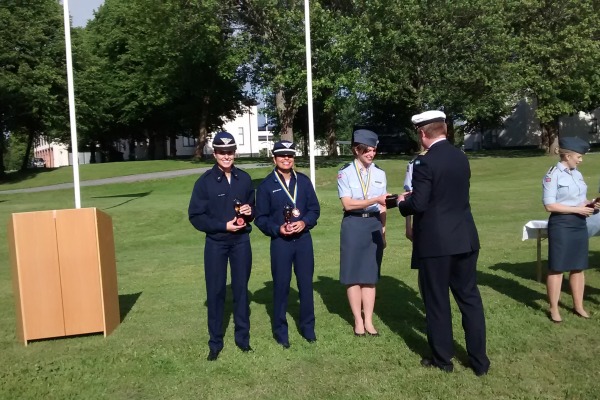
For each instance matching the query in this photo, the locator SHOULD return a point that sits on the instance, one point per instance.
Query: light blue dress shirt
(564, 186)
(349, 184)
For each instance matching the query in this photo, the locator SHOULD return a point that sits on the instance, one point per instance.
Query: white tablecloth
(530, 229)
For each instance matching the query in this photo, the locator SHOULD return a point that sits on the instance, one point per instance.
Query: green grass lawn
(159, 350)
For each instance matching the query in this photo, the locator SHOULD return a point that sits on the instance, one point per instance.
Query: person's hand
(381, 199)
(246, 209)
(283, 230)
(297, 227)
(409, 233)
(232, 227)
(384, 241)
(583, 210)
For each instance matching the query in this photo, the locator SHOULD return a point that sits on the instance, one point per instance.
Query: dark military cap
(574, 143)
(428, 117)
(224, 141)
(284, 148)
(365, 136)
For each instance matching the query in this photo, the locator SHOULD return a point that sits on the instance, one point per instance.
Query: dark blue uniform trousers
(457, 272)
(284, 253)
(216, 255)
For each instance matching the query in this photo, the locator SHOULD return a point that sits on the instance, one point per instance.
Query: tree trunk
(25, 163)
(330, 132)
(132, 146)
(202, 130)
(173, 146)
(550, 136)
(286, 109)
(93, 152)
(2, 149)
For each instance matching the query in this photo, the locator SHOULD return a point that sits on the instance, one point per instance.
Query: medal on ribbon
(364, 186)
(295, 211)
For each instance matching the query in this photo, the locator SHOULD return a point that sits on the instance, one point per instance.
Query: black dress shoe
(213, 355)
(480, 373)
(311, 340)
(428, 363)
(285, 345)
(245, 349)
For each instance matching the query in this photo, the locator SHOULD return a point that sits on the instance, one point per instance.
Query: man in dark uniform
(216, 195)
(446, 244)
(286, 209)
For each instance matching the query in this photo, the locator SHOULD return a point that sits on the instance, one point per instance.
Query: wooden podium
(64, 273)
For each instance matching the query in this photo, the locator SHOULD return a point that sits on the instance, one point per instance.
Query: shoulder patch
(345, 166)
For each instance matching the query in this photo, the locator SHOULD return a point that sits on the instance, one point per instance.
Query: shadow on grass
(401, 309)
(526, 271)
(19, 176)
(131, 196)
(265, 296)
(126, 303)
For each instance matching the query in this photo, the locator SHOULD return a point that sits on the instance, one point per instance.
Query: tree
(33, 74)
(559, 46)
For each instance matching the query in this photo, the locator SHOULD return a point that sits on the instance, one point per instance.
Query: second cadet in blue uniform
(212, 210)
(289, 195)
(564, 196)
(362, 188)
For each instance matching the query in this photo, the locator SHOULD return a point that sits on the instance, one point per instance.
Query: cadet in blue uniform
(446, 243)
(212, 210)
(564, 196)
(362, 188)
(289, 195)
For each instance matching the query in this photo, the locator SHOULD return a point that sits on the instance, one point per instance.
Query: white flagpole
(74, 149)
(311, 128)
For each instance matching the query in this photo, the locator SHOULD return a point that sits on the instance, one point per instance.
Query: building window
(264, 138)
(189, 141)
(241, 135)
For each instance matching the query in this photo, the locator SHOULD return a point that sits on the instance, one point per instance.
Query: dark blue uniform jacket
(271, 198)
(211, 205)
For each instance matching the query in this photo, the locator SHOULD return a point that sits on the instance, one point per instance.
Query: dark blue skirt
(568, 243)
(361, 250)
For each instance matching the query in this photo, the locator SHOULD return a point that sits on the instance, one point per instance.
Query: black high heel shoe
(359, 334)
(374, 334)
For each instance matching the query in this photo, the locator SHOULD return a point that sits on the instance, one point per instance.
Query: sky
(82, 10)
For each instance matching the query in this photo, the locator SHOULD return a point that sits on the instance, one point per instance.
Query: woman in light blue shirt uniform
(564, 196)
(362, 188)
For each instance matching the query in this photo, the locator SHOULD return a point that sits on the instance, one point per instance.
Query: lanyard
(284, 187)
(365, 188)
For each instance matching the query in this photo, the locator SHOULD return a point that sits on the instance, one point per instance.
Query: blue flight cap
(224, 141)
(365, 136)
(284, 148)
(574, 143)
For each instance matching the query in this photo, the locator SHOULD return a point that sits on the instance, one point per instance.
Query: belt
(362, 215)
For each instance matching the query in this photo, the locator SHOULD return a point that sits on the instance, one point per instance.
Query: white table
(538, 230)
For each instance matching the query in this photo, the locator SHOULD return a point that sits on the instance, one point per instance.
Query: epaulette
(551, 170)
(376, 166)
(345, 166)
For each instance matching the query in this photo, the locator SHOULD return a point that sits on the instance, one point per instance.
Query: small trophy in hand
(593, 204)
(240, 219)
(391, 201)
(287, 216)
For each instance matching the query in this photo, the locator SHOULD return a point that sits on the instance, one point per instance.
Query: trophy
(240, 219)
(391, 201)
(288, 212)
(593, 205)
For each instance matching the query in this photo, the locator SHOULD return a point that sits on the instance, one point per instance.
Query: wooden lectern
(64, 273)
